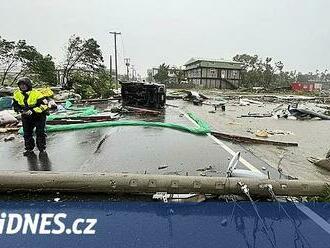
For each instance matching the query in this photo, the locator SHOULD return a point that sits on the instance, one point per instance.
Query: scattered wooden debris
(97, 100)
(273, 132)
(162, 167)
(143, 111)
(256, 115)
(208, 168)
(323, 163)
(324, 106)
(171, 105)
(9, 138)
(304, 113)
(242, 139)
(262, 133)
(9, 129)
(81, 119)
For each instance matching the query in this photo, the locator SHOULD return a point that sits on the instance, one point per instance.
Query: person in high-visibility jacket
(33, 107)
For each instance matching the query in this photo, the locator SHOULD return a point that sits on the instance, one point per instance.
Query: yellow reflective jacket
(32, 100)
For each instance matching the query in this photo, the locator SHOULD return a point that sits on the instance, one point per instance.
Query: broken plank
(256, 115)
(171, 105)
(9, 129)
(88, 118)
(243, 139)
(143, 110)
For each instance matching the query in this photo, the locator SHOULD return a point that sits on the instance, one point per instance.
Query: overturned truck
(144, 95)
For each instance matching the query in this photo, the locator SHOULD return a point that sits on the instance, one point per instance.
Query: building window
(212, 73)
(223, 74)
(233, 74)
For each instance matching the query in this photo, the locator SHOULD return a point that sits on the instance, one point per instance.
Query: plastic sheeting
(71, 111)
(5, 102)
(76, 113)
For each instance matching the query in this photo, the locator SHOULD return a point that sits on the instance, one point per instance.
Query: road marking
(226, 148)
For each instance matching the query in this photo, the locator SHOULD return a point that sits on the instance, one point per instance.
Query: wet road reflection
(125, 149)
(39, 163)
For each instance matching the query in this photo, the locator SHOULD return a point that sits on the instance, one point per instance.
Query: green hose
(202, 129)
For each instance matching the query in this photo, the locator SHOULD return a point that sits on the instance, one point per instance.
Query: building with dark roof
(208, 73)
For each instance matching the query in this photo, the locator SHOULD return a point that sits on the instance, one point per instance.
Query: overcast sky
(297, 32)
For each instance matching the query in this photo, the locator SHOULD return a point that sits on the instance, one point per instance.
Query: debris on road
(9, 138)
(208, 168)
(142, 111)
(8, 129)
(195, 97)
(243, 103)
(279, 132)
(273, 132)
(303, 113)
(5, 102)
(246, 102)
(323, 163)
(6, 90)
(242, 139)
(98, 149)
(262, 133)
(172, 105)
(300, 112)
(232, 171)
(162, 167)
(218, 102)
(63, 95)
(7, 117)
(255, 115)
(324, 106)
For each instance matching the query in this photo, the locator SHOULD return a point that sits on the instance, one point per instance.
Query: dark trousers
(37, 121)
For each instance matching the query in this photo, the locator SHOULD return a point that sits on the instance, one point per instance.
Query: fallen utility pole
(142, 183)
(243, 139)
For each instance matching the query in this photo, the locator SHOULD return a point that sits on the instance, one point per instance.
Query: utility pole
(110, 66)
(132, 69)
(116, 66)
(127, 60)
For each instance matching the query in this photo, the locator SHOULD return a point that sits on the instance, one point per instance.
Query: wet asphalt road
(129, 149)
(313, 136)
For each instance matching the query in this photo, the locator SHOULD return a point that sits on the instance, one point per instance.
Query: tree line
(82, 68)
(258, 72)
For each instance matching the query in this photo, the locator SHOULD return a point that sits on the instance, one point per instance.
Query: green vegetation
(19, 59)
(92, 84)
(162, 74)
(270, 74)
(82, 69)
